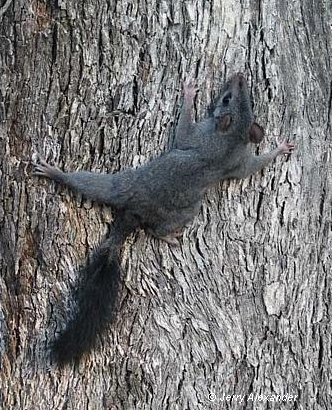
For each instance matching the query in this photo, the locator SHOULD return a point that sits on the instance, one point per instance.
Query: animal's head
(233, 111)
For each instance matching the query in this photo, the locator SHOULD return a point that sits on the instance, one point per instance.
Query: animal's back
(162, 194)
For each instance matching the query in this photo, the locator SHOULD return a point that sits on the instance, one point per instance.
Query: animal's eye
(227, 99)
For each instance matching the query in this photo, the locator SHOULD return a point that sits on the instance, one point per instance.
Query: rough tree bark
(243, 306)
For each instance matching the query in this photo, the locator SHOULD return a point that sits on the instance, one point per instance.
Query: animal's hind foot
(42, 169)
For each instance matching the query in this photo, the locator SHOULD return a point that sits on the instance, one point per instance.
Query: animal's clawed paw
(190, 90)
(286, 147)
(41, 168)
(171, 240)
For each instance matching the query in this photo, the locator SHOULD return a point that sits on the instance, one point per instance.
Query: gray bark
(243, 307)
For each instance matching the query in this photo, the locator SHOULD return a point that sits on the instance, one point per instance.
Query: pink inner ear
(224, 122)
(256, 133)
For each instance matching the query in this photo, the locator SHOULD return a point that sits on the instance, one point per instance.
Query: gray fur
(162, 196)
(165, 194)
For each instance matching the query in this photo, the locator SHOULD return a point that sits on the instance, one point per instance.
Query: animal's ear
(256, 133)
(224, 121)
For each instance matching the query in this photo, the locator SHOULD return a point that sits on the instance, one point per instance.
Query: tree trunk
(243, 306)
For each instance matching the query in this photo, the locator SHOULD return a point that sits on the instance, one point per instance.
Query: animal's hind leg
(170, 228)
(97, 187)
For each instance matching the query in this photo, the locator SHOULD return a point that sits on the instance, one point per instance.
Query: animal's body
(162, 197)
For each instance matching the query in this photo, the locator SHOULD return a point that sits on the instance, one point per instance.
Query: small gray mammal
(161, 197)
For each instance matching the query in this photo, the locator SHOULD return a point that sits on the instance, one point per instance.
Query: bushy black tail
(96, 296)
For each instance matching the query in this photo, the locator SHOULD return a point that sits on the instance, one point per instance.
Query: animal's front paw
(286, 147)
(190, 90)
